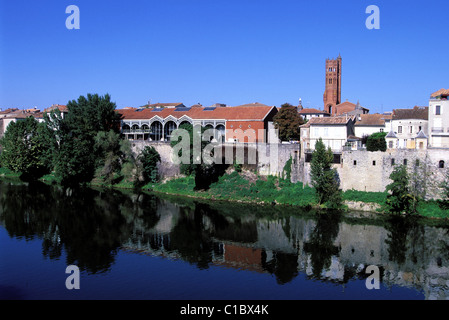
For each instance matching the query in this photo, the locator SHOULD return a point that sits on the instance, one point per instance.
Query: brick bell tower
(332, 93)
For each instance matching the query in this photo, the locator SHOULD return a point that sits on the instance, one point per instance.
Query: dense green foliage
(324, 177)
(376, 142)
(193, 148)
(149, 159)
(77, 157)
(84, 147)
(400, 199)
(287, 121)
(26, 148)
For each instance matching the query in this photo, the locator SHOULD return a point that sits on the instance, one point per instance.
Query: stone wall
(269, 159)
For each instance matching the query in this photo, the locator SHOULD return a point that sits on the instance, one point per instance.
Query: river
(149, 247)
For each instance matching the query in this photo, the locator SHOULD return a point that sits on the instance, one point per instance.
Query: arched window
(156, 131)
(168, 129)
(441, 164)
(390, 144)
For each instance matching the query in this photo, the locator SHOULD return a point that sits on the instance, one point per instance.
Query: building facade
(439, 119)
(246, 123)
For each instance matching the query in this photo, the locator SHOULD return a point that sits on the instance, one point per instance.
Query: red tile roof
(311, 111)
(415, 113)
(375, 119)
(244, 112)
(441, 92)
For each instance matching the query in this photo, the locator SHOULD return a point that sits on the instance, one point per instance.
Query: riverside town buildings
(418, 134)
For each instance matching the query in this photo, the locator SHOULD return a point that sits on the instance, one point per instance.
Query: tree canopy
(324, 177)
(287, 121)
(26, 148)
(376, 142)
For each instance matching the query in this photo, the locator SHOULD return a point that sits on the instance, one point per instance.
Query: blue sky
(232, 52)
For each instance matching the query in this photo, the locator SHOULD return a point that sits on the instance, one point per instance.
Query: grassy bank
(249, 188)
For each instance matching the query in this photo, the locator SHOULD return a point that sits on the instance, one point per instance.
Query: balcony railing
(136, 131)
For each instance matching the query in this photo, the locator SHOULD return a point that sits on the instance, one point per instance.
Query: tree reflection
(88, 225)
(321, 245)
(399, 228)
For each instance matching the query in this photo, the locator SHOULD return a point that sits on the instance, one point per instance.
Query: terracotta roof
(61, 108)
(244, 112)
(415, 113)
(375, 119)
(329, 121)
(311, 111)
(347, 107)
(441, 92)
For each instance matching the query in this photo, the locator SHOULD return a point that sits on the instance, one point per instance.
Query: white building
(334, 131)
(367, 124)
(439, 119)
(406, 125)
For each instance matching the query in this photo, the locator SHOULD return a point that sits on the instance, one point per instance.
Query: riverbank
(247, 187)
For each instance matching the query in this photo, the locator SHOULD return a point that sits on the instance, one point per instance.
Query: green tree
(149, 159)
(191, 142)
(376, 142)
(324, 178)
(287, 121)
(77, 158)
(112, 152)
(400, 199)
(25, 148)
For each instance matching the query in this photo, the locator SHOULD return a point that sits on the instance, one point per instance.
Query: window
(417, 162)
(405, 162)
(400, 129)
(441, 164)
(437, 110)
(374, 162)
(355, 162)
(392, 162)
(390, 145)
(411, 129)
(381, 130)
(330, 81)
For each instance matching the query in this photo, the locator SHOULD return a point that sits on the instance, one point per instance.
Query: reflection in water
(92, 226)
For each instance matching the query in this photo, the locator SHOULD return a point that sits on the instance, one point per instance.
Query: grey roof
(391, 134)
(421, 135)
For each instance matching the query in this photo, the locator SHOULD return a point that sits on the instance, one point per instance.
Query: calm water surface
(141, 246)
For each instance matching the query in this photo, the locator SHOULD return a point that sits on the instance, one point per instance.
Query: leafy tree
(205, 172)
(400, 199)
(324, 178)
(376, 142)
(25, 148)
(287, 121)
(112, 152)
(77, 158)
(149, 159)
